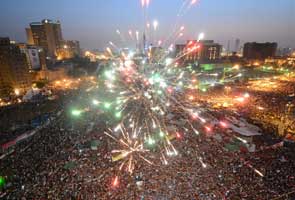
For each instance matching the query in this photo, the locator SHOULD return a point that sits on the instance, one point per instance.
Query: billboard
(34, 59)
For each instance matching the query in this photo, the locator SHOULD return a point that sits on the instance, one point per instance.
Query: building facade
(259, 51)
(14, 69)
(33, 56)
(68, 49)
(30, 39)
(46, 34)
(203, 51)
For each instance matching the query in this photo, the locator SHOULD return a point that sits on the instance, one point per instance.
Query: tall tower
(14, 70)
(144, 42)
(30, 39)
(237, 45)
(48, 35)
(228, 47)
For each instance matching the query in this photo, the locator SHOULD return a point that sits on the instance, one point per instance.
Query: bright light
(159, 42)
(115, 182)
(151, 141)
(258, 172)
(129, 63)
(168, 61)
(223, 124)
(16, 92)
(193, 2)
(109, 75)
(107, 105)
(242, 140)
(76, 112)
(191, 97)
(2, 181)
(240, 99)
(145, 3)
(208, 129)
(246, 95)
(155, 24)
(87, 53)
(170, 90)
(137, 35)
(178, 135)
(95, 102)
(109, 50)
(118, 114)
(201, 36)
(236, 66)
(204, 90)
(131, 54)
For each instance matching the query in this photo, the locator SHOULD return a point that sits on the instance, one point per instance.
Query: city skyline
(146, 99)
(95, 23)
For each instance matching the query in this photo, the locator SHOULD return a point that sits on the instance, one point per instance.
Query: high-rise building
(228, 48)
(144, 42)
(46, 34)
(286, 51)
(32, 54)
(237, 45)
(14, 69)
(36, 60)
(30, 39)
(259, 51)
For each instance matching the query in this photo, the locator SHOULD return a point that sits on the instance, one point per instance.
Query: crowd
(276, 107)
(17, 119)
(273, 107)
(58, 163)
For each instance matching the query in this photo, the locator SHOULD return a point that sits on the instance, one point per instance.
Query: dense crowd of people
(17, 119)
(276, 107)
(59, 163)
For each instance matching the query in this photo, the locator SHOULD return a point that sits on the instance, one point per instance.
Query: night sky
(94, 22)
